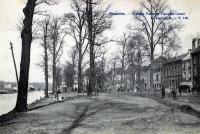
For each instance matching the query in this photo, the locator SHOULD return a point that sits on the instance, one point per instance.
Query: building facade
(187, 72)
(172, 73)
(195, 54)
(157, 77)
(145, 78)
(157, 72)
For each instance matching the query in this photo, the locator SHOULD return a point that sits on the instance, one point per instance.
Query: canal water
(8, 101)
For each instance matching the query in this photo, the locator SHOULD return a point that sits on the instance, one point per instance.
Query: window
(157, 77)
(189, 66)
(184, 76)
(195, 60)
(195, 71)
(176, 70)
(179, 70)
(166, 72)
(183, 66)
(189, 75)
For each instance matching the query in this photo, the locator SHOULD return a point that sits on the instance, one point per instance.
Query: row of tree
(147, 37)
(86, 24)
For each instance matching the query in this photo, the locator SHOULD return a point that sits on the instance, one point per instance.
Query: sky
(11, 12)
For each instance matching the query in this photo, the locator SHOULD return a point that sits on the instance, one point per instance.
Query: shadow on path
(81, 114)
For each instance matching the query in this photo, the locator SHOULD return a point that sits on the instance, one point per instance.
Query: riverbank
(39, 103)
(8, 101)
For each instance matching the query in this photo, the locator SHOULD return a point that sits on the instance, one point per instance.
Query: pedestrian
(163, 91)
(174, 93)
(180, 90)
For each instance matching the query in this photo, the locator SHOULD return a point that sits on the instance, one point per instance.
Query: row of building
(181, 71)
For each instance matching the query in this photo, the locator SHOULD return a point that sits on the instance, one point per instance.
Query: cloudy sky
(11, 12)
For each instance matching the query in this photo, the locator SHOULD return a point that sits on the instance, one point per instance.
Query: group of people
(173, 92)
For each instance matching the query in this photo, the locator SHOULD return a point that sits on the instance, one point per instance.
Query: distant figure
(180, 90)
(76, 89)
(163, 91)
(174, 93)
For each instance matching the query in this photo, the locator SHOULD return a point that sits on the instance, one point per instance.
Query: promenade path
(103, 114)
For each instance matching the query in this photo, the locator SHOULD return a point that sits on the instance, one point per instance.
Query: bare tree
(44, 37)
(98, 20)
(136, 57)
(57, 36)
(77, 29)
(169, 42)
(150, 26)
(35, 28)
(26, 36)
(70, 68)
(100, 74)
(123, 53)
(114, 64)
(68, 75)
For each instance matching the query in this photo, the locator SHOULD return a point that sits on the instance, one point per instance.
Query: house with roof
(195, 56)
(157, 75)
(172, 72)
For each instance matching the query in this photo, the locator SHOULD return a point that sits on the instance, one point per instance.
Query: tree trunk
(46, 61)
(55, 34)
(54, 71)
(123, 67)
(92, 67)
(139, 68)
(80, 82)
(92, 72)
(26, 35)
(151, 52)
(113, 76)
(151, 70)
(73, 66)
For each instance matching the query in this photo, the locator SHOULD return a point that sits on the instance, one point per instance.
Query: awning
(186, 83)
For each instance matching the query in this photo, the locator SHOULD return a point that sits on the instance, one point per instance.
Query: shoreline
(7, 117)
(10, 115)
(14, 92)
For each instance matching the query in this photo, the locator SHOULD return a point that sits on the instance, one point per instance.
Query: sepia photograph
(100, 67)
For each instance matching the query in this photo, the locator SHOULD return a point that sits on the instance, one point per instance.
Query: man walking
(174, 93)
(163, 91)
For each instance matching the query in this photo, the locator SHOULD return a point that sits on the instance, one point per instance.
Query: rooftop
(176, 58)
